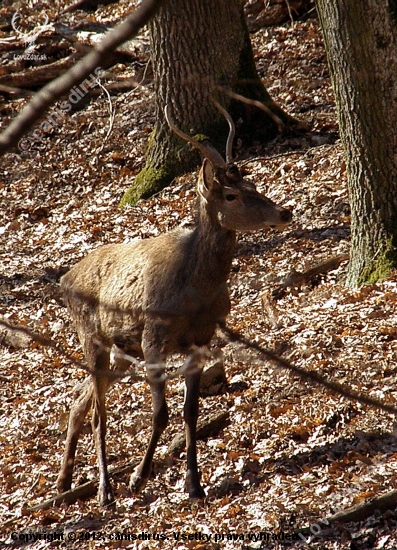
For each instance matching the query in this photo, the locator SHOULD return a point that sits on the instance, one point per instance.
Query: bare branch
(90, 64)
(255, 103)
(189, 366)
(310, 376)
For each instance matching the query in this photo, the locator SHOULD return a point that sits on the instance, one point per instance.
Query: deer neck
(213, 245)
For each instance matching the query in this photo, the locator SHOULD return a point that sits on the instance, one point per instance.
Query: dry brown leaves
(293, 454)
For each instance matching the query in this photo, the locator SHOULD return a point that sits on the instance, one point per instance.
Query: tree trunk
(200, 48)
(361, 43)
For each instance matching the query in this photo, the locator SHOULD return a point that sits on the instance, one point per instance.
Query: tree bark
(361, 43)
(200, 48)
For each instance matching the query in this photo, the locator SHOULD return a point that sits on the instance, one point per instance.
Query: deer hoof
(193, 487)
(64, 483)
(105, 496)
(137, 482)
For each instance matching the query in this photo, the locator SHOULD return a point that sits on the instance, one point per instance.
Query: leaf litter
(292, 454)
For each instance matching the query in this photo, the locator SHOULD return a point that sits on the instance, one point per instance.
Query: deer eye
(229, 197)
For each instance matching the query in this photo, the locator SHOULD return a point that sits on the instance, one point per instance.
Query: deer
(159, 296)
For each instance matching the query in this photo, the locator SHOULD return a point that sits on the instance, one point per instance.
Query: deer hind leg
(190, 415)
(101, 384)
(77, 415)
(100, 358)
(141, 474)
(84, 402)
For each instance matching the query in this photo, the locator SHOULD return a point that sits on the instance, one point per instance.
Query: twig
(290, 13)
(255, 103)
(279, 155)
(192, 362)
(137, 85)
(112, 114)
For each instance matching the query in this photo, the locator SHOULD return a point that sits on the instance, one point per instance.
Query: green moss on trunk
(187, 74)
(381, 266)
(163, 164)
(148, 182)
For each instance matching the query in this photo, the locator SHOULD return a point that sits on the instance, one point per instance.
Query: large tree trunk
(361, 43)
(198, 46)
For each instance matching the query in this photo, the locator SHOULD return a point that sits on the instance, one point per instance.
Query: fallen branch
(365, 509)
(206, 428)
(87, 66)
(297, 279)
(14, 92)
(359, 512)
(36, 76)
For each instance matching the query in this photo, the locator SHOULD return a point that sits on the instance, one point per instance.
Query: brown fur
(156, 297)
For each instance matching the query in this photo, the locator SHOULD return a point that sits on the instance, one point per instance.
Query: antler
(206, 149)
(232, 130)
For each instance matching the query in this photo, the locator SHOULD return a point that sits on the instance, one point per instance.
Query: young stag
(156, 297)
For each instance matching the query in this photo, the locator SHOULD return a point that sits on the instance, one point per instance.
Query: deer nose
(286, 215)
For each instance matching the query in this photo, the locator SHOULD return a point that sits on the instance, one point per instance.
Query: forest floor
(292, 454)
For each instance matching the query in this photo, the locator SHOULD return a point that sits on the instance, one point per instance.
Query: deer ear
(206, 181)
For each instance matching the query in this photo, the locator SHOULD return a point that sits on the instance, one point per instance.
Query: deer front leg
(141, 474)
(190, 415)
(78, 412)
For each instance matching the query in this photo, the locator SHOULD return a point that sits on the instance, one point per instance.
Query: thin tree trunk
(361, 43)
(198, 47)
